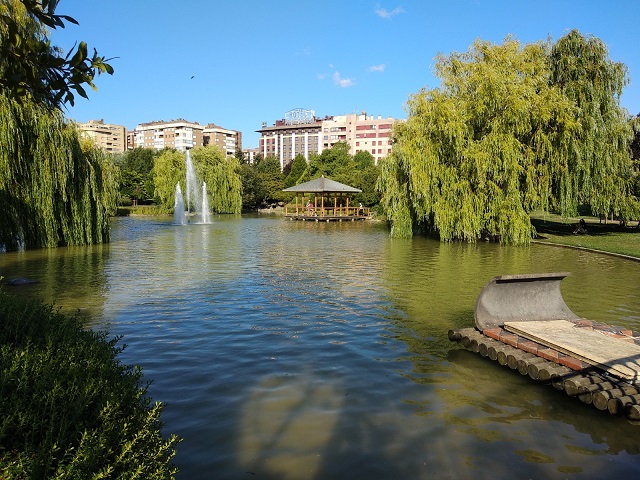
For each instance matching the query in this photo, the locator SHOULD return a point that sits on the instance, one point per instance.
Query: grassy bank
(608, 237)
(68, 407)
(125, 211)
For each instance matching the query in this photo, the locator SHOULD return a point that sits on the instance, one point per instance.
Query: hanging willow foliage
(169, 169)
(498, 140)
(52, 190)
(600, 147)
(220, 172)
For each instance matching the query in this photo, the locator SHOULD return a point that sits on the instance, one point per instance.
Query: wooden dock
(579, 359)
(328, 213)
(326, 218)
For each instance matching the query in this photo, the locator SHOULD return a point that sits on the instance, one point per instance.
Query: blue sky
(253, 60)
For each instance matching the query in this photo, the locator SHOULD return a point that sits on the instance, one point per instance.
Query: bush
(68, 407)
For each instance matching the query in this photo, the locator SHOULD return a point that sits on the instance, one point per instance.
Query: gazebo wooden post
(296, 204)
(322, 200)
(335, 206)
(347, 204)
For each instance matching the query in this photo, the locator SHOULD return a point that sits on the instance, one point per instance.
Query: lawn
(608, 237)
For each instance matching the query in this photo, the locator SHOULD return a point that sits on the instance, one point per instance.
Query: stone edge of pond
(586, 249)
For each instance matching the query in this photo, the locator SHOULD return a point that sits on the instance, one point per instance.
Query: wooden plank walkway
(613, 354)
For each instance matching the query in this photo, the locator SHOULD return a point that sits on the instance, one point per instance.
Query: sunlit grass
(610, 237)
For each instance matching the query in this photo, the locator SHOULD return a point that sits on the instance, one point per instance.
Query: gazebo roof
(322, 185)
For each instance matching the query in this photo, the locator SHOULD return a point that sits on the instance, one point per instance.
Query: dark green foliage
(68, 407)
(253, 193)
(240, 156)
(635, 155)
(296, 169)
(262, 183)
(363, 160)
(270, 164)
(31, 68)
(136, 174)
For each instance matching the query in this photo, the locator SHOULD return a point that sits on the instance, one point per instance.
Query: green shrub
(69, 408)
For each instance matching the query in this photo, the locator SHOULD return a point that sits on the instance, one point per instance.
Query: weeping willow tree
(169, 169)
(580, 68)
(501, 138)
(220, 172)
(54, 189)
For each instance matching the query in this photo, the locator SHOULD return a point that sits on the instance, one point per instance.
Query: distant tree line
(263, 181)
(150, 176)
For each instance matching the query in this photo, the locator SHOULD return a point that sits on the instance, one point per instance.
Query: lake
(304, 350)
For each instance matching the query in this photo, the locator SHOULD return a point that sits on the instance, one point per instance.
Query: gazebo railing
(328, 211)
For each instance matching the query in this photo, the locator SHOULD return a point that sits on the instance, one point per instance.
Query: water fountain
(179, 217)
(197, 202)
(206, 214)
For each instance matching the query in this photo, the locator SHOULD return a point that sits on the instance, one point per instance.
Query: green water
(289, 350)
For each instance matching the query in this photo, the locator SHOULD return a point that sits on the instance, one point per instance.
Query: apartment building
(361, 131)
(250, 155)
(131, 139)
(228, 140)
(298, 133)
(112, 138)
(302, 132)
(179, 134)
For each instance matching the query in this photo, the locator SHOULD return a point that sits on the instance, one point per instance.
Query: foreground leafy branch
(30, 65)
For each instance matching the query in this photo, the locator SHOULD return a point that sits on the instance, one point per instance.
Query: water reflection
(71, 278)
(314, 350)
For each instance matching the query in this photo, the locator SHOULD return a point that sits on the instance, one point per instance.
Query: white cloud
(377, 68)
(342, 82)
(384, 13)
(337, 78)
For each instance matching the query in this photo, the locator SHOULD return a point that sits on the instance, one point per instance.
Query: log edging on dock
(576, 378)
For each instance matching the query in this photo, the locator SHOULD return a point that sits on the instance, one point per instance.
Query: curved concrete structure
(519, 298)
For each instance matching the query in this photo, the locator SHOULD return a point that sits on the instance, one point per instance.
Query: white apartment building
(361, 132)
(179, 134)
(297, 133)
(300, 132)
(250, 155)
(112, 138)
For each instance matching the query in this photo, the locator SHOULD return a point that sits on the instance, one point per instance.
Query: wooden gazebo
(323, 199)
